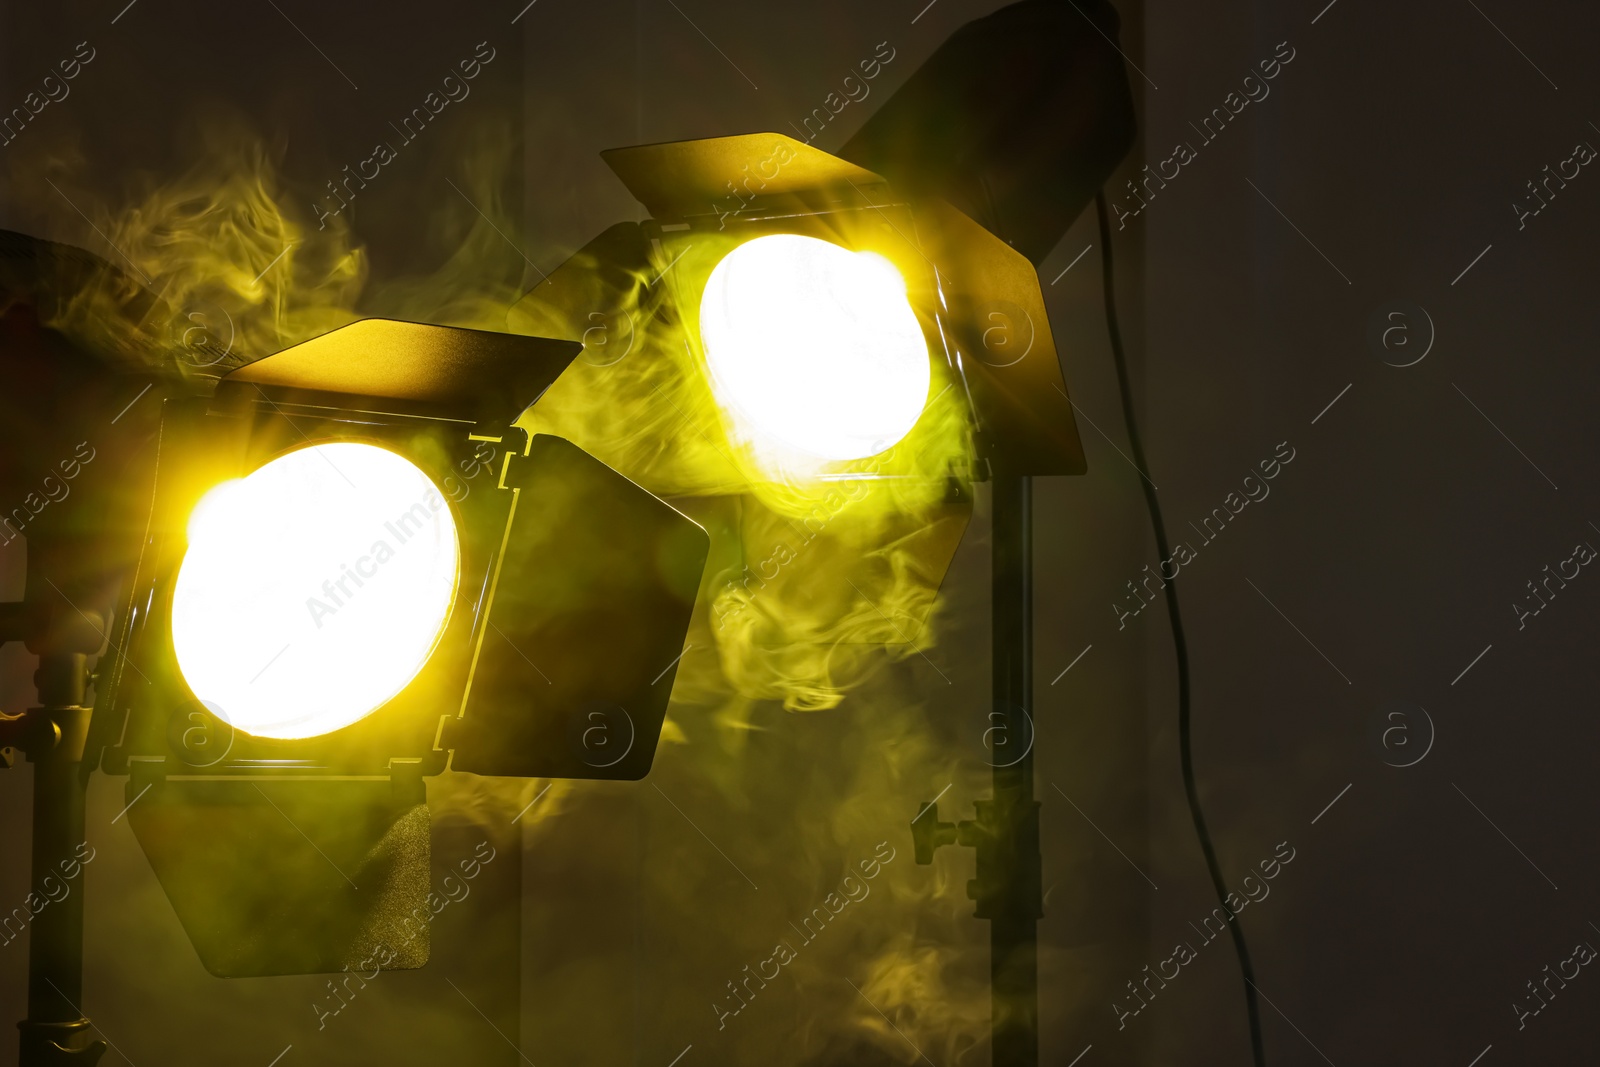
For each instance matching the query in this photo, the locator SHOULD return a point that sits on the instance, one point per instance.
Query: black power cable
(1180, 647)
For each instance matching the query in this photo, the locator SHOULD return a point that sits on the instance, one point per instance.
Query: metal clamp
(1008, 882)
(55, 1045)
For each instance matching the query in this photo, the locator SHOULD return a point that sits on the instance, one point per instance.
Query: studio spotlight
(834, 362)
(1016, 121)
(359, 572)
(829, 319)
(351, 550)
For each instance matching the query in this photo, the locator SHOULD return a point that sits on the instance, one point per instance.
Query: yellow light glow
(313, 589)
(815, 346)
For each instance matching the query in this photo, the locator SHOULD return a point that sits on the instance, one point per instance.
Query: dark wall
(1392, 550)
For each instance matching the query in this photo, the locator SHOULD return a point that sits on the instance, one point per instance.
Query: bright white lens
(815, 345)
(314, 589)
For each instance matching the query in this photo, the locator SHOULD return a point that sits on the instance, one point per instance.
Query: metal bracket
(25, 733)
(1008, 877)
(930, 835)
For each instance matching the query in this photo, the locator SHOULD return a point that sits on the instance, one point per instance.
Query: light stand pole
(53, 1031)
(76, 544)
(1010, 887)
(52, 735)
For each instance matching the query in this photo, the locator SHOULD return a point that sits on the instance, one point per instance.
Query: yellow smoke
(816, 586)
(238, 273)
(239, 263)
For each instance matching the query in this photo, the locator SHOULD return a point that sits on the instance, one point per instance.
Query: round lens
(815, 346)
(314, 589)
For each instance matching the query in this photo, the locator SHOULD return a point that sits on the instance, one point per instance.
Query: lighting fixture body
(535, 615)
(979, 303)
(638, 295)
(387, 410)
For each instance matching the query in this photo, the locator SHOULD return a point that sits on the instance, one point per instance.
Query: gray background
(1385, 159)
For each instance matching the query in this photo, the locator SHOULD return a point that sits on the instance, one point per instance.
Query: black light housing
(557, 660)
(997, 402)
(444, 399)
(979, 302)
